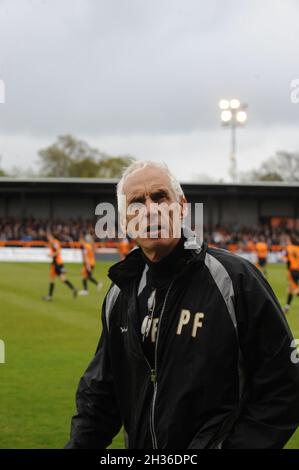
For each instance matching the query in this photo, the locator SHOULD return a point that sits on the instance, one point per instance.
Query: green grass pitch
(48, 346)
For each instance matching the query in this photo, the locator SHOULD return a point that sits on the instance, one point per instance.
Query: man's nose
(148, 205)
(152, 207)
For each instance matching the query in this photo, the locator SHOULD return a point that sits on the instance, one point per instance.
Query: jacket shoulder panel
(111, 298)
(236, 266)
(223, 282)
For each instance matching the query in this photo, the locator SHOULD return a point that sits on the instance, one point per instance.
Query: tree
(283, 166)
(113, 167)
(69, 157)
(204, 178)
(2, 172)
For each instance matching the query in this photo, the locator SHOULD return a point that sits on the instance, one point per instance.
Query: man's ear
(122, 226)
(184, 207)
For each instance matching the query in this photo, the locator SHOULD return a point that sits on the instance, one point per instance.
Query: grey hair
(175, 185)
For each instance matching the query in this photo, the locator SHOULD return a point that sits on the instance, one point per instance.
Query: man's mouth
(153, 228)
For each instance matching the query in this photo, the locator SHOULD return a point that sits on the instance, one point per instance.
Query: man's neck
(156, 255)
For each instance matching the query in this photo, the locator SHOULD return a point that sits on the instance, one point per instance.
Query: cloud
(145, 70)
(139, 66)
(202, 151)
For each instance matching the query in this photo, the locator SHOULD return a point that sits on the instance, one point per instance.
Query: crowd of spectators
(33, 229)
(245, 236)
(68, 230)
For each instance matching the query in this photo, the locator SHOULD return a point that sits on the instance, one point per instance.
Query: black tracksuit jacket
(223, 375)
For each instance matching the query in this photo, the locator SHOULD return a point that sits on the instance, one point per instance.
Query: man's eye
(158, 196)
(136, 206)
(137, 201)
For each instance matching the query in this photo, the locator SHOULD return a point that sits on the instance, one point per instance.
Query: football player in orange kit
(261, 248)
(123, 248)
(88, 264)
(57, 267)
(292, 258)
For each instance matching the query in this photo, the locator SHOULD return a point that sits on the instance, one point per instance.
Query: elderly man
(195, 351)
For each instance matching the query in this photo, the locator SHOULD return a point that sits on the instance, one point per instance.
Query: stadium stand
(232, 237)
(235, 215)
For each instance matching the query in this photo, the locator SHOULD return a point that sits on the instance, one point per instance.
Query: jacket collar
(125, 272)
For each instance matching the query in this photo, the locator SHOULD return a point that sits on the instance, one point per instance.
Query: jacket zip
(154, 376)
(151, 308)
(153, 372)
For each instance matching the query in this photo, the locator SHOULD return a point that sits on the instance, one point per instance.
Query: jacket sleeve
(271, 412)
(98, 419)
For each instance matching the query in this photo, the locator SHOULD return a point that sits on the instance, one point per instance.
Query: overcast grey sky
(145, 77)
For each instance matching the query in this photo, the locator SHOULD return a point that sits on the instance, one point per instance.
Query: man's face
(150, 189)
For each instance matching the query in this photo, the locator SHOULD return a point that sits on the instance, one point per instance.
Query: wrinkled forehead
(146, 180)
